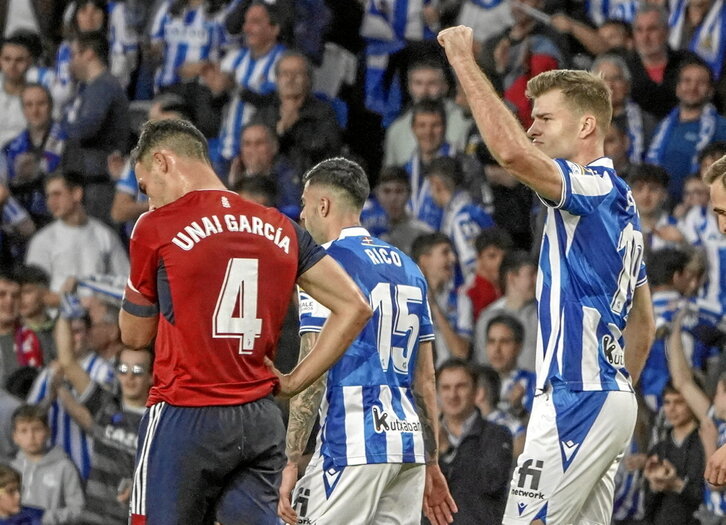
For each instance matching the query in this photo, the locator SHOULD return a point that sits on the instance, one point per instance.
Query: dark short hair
(9, 475)
(453, 363)
(493, 236)
(36, 85)
(624, 26)
(257, 185)
(449, 169)
(428, 106)
(423, 244)
(514, 261)
(271, 8)
(342, 174)
(394, 174)
(489, 380)
(717, 148)
(29, 413)
(510, 322)
(20, 38)
(9, 274)
(293, 53)
(649, 173)
(96, 41)
(180, 136)
(33, 274)
(695, 60)
(71, 179)
(173, 103)
(663, 264)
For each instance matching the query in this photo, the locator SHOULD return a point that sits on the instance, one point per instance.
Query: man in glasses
(112, 421)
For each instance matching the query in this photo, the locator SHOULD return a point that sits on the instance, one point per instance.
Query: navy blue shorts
(195, 465)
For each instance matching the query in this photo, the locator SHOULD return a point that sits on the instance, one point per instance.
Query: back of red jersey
(219, 271)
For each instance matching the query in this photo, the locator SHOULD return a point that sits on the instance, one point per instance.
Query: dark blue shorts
(195, 465)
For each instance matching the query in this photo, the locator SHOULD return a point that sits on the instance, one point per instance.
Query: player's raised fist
(457, 41)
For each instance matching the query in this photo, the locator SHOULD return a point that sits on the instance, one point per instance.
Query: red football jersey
(219, 271)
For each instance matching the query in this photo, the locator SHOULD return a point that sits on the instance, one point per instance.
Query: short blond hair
(717, 171)
(584, 92)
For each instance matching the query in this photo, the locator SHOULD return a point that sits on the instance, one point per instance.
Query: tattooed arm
(438, 505)
(303, 409)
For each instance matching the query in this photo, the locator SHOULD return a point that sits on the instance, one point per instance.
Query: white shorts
(575, 441)
(380, 494)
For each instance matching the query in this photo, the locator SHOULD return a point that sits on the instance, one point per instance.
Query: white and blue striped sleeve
(312, 314)
(583, 189)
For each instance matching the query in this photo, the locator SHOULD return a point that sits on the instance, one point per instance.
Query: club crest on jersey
(388, 422)
(613, 352)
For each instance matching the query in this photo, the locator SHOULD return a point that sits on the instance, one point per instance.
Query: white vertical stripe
(590, 365)
(354, 423)
(394, 441)
(554, 314)
(411, 415)
(138, 498)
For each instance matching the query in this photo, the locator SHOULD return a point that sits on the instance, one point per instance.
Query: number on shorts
(239, 288)
(396, 322)
(630, 245)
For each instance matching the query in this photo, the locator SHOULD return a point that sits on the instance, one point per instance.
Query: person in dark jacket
(475, 455)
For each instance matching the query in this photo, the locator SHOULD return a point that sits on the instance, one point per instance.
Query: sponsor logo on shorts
(528, 480)
(388, 422)
(613, 352)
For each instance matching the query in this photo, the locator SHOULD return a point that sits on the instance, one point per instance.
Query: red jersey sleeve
(140, 296)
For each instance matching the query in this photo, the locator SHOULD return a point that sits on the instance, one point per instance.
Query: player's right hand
(284, 504)
(458, 42)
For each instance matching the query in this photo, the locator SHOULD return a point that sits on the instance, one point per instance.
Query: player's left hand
(438, 504)
(284, 504)
(716, 468)
(458, 42)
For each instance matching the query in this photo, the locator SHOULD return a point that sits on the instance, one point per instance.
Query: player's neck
(589, 152)
(681, 432)
(339, 223)
(77, 217)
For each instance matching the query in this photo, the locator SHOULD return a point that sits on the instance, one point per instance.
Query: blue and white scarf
(601, 10)
(706, 131)
(634, 116)
(422, 205)
(708, 40)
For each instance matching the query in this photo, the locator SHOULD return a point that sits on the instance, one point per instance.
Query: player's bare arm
(639, 332)
(137, 332)
(303, 410)
(438, 504)
(681, 374)
(72, 371)
(500, 130)
(327, 283)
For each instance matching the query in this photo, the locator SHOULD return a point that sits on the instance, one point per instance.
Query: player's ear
(588, 126)
(324, 206)
(161, 161)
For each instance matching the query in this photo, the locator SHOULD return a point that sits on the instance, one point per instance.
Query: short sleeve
(312, 314)
(583, 189)
(140, 297)
(309, 252)
(426, 326)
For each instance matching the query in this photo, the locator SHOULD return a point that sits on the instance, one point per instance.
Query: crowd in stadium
(277, 86)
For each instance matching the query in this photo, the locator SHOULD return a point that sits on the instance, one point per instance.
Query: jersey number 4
(395, 322)
(236, 312)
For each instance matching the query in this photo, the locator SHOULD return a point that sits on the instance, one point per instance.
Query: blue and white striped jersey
(368, 413)
(192, 36)
(421, 204)
(462, 222)
(64, 431)
(250, 74)
(701, 229)
(591, 261)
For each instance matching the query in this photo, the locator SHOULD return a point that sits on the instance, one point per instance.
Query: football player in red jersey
(211, 277)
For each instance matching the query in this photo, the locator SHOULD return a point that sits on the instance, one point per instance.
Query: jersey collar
(353, 231)
(605, 162)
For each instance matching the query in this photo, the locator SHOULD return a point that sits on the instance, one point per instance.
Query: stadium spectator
(258, 189)
(34, 283)
(426, 81)
(215, 382)
(627, 114)
(692, 125)
(306, 127)
(428, 122)
(518, 273)
(245, 77)
(616, 146)
(15, 60)
(259, 156)
(111, 420)
(97, 122)
(334, 194)
(385, 214)
(12, 511)
(653, 65)
(674, 467)
(462, 219)
(618, 35)
(8, 404)
(19, 346)
(483, 287)
(695, 196)
(450, 307)
(74, 244)
(34, 154)
(698, 27)
(475, 454)
(650, 192)
(51, 481)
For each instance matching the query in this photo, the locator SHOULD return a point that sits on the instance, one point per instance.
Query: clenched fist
(458, 42)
